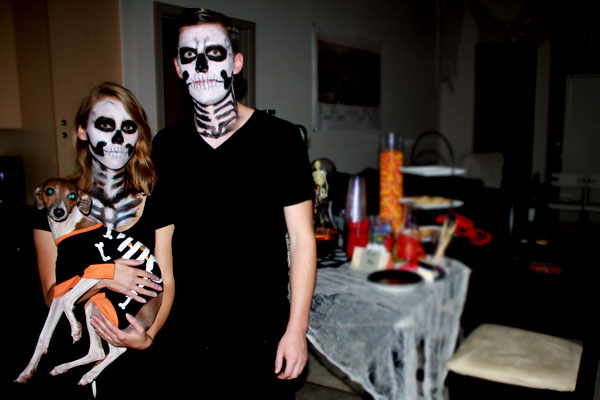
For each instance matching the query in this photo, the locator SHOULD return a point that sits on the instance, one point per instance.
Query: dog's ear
(85, 202)
(39, 202)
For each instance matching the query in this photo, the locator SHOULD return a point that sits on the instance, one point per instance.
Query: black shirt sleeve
(39, 219)
(296, 184)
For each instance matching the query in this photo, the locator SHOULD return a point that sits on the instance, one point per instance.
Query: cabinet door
(85, 50)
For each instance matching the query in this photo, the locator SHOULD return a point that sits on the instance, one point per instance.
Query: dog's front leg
(71, 297)
(95, 353)
(41, 348)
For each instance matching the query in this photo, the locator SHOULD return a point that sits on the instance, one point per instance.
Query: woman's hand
(128, 279)
(134, 337)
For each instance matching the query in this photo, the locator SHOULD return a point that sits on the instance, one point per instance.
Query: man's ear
(238, 63)
(37, 194)
(177, 68)
(82, 134)
(85, 202)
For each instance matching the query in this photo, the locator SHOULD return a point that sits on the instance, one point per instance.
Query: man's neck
(243, 114)
(216, 120)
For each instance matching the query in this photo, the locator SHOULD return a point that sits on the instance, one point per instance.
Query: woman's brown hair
(140, 173)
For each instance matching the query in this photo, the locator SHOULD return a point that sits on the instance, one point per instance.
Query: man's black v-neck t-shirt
(230, 251)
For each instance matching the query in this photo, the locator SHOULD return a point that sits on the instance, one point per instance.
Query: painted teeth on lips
(115, 153)
(207, 83)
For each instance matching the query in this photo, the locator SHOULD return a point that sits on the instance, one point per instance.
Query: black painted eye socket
(105, 124)
(128, 126)
(72, 196)
(49, 192)
(187, 55)
(215, 53)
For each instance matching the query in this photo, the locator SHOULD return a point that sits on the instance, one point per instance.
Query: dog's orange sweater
(93, 271)
(91, 256)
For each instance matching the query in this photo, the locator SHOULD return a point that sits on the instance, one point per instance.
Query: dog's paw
(24, 376)
(61, 369)
(76, 333)
(88, 378)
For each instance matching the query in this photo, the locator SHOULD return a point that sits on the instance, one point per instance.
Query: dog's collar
(77, 232)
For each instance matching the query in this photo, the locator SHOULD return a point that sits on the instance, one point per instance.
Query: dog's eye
(72, 196)
(49, 192)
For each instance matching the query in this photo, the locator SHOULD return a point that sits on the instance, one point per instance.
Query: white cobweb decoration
(381, 338)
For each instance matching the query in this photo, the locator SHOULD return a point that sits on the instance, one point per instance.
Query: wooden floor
(325, 382)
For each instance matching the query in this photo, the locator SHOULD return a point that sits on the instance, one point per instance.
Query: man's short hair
(199, 16)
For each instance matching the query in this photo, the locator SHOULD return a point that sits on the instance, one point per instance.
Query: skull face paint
(206, 61)
(111, 133)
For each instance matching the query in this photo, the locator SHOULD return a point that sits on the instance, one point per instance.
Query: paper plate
(395, 280)
(431, 202)
(433, 170)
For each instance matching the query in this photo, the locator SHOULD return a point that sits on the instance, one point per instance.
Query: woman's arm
(303, 254)
(164, 256)
(125, 280)
(138, 338)
(46, 261)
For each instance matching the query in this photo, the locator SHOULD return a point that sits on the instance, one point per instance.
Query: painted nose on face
(201, 63)
(118, 137)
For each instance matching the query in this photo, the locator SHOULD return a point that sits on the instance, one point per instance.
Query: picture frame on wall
(346, 83)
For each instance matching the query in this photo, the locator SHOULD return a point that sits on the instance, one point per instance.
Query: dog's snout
(58, 212)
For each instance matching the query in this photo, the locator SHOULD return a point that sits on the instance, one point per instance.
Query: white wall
(457, 106)
(582, 123)
(405, 28)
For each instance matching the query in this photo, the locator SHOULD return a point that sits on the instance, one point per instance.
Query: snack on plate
(427, 232)
(424, 201)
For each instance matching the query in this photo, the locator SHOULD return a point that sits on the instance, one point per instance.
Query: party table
(394, 341)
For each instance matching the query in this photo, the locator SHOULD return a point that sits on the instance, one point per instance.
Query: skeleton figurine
(111, 135)
(205, 61)
(323, 219)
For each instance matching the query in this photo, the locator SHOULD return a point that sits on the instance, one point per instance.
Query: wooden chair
(518, 357)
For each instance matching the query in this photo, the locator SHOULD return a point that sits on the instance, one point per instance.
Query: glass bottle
(408, 249)
(356, 215)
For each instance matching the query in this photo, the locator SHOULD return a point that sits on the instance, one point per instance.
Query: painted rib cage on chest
(111, 205)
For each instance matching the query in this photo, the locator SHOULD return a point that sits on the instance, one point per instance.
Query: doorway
(505, 79)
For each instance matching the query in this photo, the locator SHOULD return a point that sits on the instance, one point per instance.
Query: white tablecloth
(376, 336)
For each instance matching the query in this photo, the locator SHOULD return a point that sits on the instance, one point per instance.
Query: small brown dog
(84, 242)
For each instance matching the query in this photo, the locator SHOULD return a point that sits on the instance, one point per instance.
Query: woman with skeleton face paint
(113, 146)
(107, 140)
(232, 233)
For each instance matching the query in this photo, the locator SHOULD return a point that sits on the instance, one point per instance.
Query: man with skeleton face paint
(206, 63)
(232, 231)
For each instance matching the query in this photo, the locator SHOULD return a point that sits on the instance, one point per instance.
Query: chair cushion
(518, 357)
